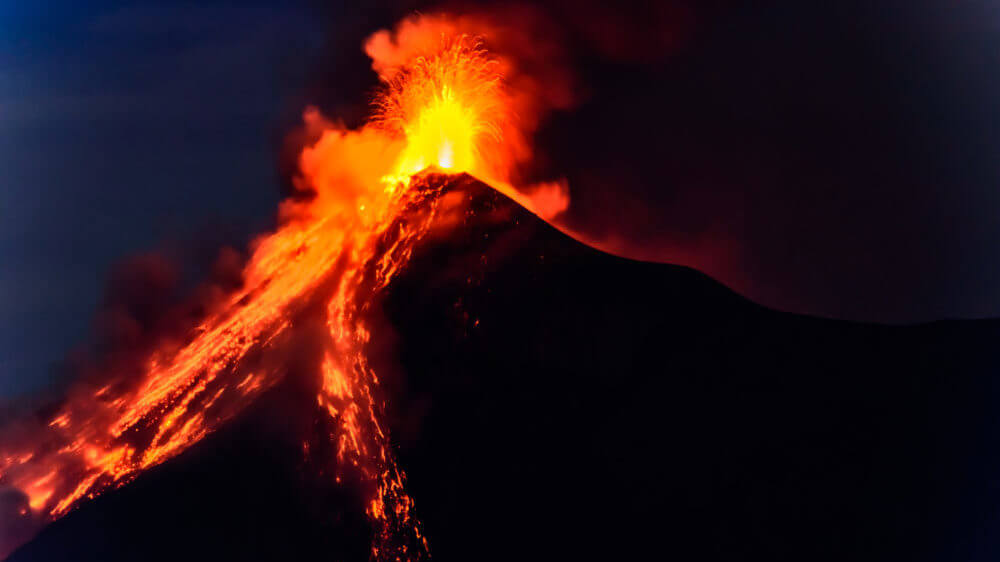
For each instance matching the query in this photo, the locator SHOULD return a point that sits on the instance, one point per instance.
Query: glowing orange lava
(443, 106)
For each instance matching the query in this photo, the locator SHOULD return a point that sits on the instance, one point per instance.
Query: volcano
(415, 363)
(549, 401)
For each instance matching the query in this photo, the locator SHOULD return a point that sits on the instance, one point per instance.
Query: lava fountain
(444, 108)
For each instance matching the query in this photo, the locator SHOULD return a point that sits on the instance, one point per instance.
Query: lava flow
(444, 108)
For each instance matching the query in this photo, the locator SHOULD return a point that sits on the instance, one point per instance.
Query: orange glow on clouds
(445, 105)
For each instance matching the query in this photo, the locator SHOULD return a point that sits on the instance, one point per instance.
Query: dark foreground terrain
(550, 402)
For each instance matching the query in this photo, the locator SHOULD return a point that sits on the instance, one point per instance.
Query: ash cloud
(834, 161)
(147, 304)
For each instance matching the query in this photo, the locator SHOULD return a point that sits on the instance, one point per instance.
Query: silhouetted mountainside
(551, 402)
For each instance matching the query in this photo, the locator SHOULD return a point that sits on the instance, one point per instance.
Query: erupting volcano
(365, 197)
(423, 359)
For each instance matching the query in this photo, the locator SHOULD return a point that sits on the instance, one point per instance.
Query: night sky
(126, 129)
(837, 161)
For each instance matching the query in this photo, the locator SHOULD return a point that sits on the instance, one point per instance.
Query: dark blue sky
(125, 127)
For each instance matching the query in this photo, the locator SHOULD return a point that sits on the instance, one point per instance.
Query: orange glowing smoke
(445, 104)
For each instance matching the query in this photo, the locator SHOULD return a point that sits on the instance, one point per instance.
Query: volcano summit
(552, 401)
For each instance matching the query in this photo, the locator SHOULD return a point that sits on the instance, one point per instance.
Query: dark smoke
(835, 161)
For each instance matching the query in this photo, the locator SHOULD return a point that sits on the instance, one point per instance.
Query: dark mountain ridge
(550, 401)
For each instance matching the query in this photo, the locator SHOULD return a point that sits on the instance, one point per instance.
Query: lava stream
(443, 106)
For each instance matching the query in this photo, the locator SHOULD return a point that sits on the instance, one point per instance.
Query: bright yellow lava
(443, 135)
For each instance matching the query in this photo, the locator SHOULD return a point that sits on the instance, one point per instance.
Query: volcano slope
(551, 402)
